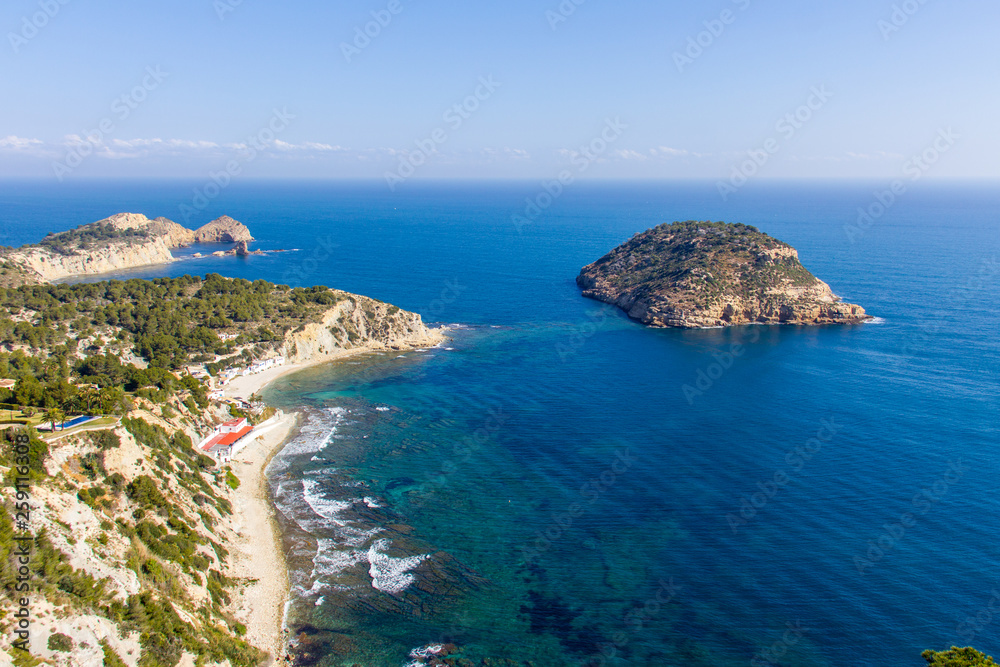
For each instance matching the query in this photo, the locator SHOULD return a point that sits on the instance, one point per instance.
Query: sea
(558, 485)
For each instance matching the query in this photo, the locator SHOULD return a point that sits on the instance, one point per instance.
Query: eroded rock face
(223, 230)
(355, 322)
(709, 274)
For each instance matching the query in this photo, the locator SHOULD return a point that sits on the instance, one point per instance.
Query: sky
(401, 89)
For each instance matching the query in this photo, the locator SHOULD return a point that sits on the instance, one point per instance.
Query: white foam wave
(330, 560)
(327, 508)
(421, 655)
(876, 320)
(355, 537)
(391, 575)
(315, 433)
(320, 472)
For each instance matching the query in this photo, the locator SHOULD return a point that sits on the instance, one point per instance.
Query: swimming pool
(76, 422)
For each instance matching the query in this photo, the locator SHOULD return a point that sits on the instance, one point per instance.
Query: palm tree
(87, 396)
(54, 415)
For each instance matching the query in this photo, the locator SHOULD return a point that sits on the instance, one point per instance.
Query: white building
(227, 440)
(264, 365)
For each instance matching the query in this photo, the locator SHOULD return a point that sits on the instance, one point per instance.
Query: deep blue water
(555, 455)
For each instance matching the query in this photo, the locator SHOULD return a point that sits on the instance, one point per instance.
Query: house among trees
(227, 440)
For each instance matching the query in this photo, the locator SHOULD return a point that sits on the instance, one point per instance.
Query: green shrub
(60, 642)
(38, 452)
(92, 465)
(216, 585)
(104, 439)
(144, 491)
(111, 659)
(164, 636)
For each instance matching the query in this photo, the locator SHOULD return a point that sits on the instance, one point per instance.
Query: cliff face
(704, 274)
(358, 323)
(49, 266)
(223, 230)
(123, 241)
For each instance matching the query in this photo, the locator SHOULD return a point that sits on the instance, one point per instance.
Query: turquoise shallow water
(546, 489)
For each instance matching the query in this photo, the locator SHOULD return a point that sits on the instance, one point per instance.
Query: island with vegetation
(710, 274)
(123, 241)
(958, 657)
(143, 550)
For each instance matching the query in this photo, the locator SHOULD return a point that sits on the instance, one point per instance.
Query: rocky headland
(123, 241)
(149, 553)
(709, 274)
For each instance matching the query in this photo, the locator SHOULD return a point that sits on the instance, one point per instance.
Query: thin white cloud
(666, 151)
(517, 153)
(15, 143)
(307, 146)
(627, 154)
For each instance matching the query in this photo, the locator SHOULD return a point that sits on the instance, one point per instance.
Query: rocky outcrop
(222, 230)
(709, 274)
(358, 323)
(123, 241)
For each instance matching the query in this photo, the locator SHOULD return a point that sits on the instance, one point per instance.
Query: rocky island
(123, 241)
(709, 274)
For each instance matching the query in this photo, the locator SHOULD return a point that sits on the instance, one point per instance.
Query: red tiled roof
(230, 438)
(233, 423)
(226, 439)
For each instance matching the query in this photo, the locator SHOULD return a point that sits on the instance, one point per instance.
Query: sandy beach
(245, 386)
(258, 554)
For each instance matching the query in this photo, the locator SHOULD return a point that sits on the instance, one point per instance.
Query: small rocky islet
(710, 274)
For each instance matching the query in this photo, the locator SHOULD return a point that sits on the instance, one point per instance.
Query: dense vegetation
(167, 321)
(87, 236)
(59, 336)
(958, 657)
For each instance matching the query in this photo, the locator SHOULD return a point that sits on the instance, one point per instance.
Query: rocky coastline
(146, 521)
(123, 241)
